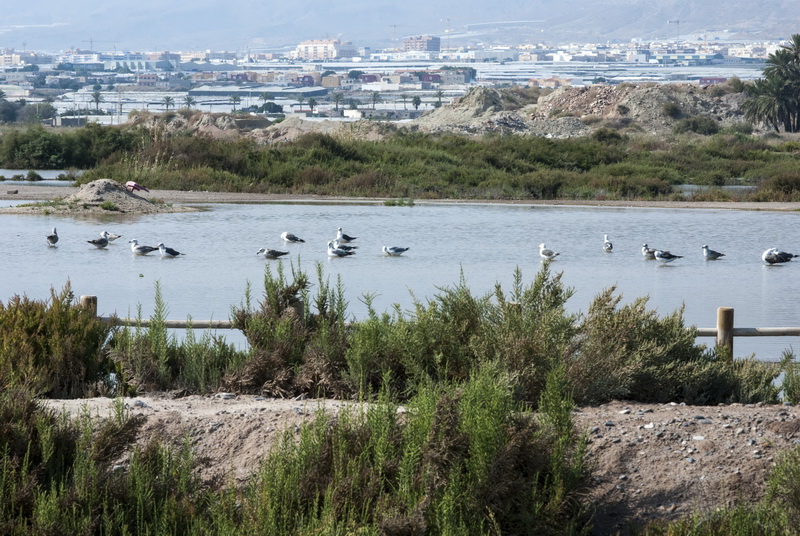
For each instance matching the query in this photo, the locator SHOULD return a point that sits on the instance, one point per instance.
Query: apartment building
(422, 43)
(323, 49)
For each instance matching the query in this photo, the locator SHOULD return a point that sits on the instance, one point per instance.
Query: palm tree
(337, 97)
(235, 99)
(775, 99)
(404, 98)
(189, 101)
(439, 95)
(300, 102)
(264, 97)
(311, 103)
(97, 98)
(168, 102)
(2, 95)
(376, 98)
(416, 101)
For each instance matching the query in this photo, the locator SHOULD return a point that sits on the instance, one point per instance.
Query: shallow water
(485, 242)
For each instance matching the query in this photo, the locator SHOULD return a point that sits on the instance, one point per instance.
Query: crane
(93, 41)
(677, 22)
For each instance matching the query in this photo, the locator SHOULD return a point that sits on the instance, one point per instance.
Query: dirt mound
(103, 196)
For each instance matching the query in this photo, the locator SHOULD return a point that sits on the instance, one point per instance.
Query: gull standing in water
(167, 252)
(289, 238)
(343, 238)
(548, 254)
(338, 245)
(607, 246)
(110, 236)
(776, 256)
(666, 256)
(333, 251)
(52, 238)
(394, 251)
(140, 249)
(99, 243)
(271, 253)
(710, 254)
(649, 253)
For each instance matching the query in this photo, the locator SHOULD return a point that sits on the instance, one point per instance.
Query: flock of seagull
(106, 238)
(770, 256)
(338, 247)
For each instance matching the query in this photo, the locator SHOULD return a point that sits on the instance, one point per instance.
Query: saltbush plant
(54, 347)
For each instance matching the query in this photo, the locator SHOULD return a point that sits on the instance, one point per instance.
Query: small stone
(609, 423)
(623, 477)
(225, 396)
(625, 411)
(698, 438)
(704, 421)
(649, 426)
(690, 460)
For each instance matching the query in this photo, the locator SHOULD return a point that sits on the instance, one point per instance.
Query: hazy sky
(240, 24)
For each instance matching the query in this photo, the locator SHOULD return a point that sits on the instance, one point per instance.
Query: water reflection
(485, 243)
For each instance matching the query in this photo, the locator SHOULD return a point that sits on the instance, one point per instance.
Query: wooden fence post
(725, 330)
(89, 303)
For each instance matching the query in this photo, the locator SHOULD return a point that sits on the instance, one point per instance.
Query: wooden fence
(724, 332)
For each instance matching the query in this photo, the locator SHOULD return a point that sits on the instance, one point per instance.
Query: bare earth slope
(651, 460)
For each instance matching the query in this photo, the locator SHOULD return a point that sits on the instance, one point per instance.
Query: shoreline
(46, 193)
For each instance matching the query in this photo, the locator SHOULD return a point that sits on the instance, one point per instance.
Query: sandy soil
(651, 460)
(42, 193)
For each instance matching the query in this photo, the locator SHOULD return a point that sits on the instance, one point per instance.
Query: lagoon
(484, 242)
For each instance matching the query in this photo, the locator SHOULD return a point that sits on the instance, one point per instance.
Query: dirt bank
(651, 460)
(44, 193)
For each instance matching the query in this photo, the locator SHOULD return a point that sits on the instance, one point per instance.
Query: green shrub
(699, 124)
(671, 109)
(55, 348)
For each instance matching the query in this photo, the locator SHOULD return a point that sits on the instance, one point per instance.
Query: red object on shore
(135, 187)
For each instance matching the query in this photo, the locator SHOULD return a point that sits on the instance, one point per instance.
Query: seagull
(167, 252)
(343, 238)
(394, 251)
(607, 246)
(290, 238)
(648, 253)
(271, 253)
(333, 251)
(711, 255)
(99, 243)
(140, 250)
(547, 253)
(110, 236)
(666, 256)
(775, 256)
(52, 238)
(338, 245)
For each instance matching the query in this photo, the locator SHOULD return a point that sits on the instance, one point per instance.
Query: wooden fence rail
(724, 332)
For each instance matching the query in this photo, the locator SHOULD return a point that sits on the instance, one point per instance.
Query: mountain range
(239, 25)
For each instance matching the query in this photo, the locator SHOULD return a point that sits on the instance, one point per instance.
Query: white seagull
(394, 251)
(167, 252)
(343, 238)
(710, 254)
(289, 238)
(338, 245)
(776, 256)
(140, 250)
(52, 238)
(547, 253)
(607, 246)
(666, 256)
(649, 253)
(333, 251)
(271, 253)
(99, 243)
(110, 236)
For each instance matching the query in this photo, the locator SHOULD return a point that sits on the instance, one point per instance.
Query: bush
(53, 348)
(671, 109)
(699, 124)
